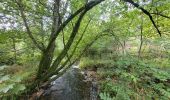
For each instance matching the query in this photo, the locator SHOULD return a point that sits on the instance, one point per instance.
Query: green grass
(14, 79)
(132, 77)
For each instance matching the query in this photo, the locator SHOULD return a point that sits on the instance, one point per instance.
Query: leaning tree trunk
(46, 67)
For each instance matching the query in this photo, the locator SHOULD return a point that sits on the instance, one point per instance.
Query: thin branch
(159, 14)
(26, 25)
(59, 72)
(69, 43)
(84, 50)
(145, 12)
(88, 6)
(69, 57)
(65, 45)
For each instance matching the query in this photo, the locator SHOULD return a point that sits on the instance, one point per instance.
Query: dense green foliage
(14, 78)
(136, 80)
(119, 38)
(130, 77)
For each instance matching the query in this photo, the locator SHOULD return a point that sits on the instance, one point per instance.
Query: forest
(84, 49)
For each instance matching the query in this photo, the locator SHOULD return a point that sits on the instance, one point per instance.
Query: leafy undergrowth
(13, 79)
(130, 78)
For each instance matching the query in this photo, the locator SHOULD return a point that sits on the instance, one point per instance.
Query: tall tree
(46, 67)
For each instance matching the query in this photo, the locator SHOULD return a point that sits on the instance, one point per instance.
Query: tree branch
(88, 6)
(145, 12)
(69, 57)
(58, 73)
(20, 6)
(159, 14)
(69, 43)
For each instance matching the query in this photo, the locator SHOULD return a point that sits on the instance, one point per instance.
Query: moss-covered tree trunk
(47, 55)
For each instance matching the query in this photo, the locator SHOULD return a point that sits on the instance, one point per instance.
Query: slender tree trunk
(45, 68)
(141, 39)
(47, 56)
(140, 47)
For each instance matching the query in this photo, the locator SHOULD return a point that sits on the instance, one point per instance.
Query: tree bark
(46, 66)
(47, 56)
(145, 12)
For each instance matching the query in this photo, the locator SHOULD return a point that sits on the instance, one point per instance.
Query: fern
(131, 76)
(105, 96)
